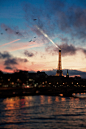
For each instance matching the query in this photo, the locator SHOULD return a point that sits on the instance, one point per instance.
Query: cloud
(58, 16)
(84, 51)
(36, 31)
(68, 49)
(4, 55)
(11, 31)
(10, 61)
(14, 61)
(17, 46)
(8, 68)
(71, 73)
(42, 20)
(9, 42)
(65, 49)
(75, 73)
(21, 60)
(28, 54)
(51, 72)
(64, 39)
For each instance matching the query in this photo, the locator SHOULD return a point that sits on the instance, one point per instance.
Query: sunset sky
(23, 46)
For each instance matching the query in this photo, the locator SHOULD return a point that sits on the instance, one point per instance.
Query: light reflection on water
(80, 95)
(47, 112)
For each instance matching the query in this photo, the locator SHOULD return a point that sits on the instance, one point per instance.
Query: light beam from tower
(47, 36)
(59, 69)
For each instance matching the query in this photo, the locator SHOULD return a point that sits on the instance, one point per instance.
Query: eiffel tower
(59, 69)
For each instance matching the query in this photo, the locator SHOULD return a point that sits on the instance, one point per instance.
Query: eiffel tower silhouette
(59, 69)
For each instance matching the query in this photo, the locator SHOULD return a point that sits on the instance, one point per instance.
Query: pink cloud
(20, 46)
(9, 42)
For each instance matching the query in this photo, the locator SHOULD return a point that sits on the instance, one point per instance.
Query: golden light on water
(49, 100)
(12, 103)
(63, 99)
(42, 99)
(57, 99)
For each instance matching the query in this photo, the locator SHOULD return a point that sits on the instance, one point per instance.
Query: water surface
(43, 112)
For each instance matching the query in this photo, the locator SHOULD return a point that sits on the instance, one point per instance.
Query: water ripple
(46, 112)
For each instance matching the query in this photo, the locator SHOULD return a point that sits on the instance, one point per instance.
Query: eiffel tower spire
(59, 69)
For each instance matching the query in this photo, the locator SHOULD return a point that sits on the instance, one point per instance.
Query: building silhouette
(59, 69)
(67, 75)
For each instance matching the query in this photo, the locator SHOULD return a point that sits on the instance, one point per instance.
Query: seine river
(43, 112)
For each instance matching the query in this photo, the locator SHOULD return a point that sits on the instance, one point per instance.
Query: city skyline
(23, 46)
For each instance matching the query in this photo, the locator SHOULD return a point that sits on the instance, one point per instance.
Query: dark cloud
(21, 60)
(10, 61)
(10, 30)
(40, 13)
(69, 17)
(80, 18)
(51, 50)
(28, 54)
(64, 39)
(14, 61)
(84, 51)
(4, 55)
(6, 28)
(42, 37)
(36, 31)
(71, 72)
(68, 49)
(65, 49)
(58, 16)
(75, 73)
(8, 68)
(51, 72)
